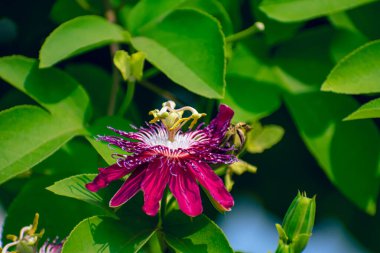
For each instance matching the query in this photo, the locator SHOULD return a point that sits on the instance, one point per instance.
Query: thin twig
(161, 92)
(111, 17)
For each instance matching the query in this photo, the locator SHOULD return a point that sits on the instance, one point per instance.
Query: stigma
(173, 119)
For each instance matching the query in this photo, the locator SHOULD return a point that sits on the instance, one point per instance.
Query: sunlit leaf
(368, 110)
(298, 10)
(257, 101)
(74, 187)
(194, 60)
(52, 88)
(97, 83)
(261, 137)
(107, 235)
(100, 128)
(28, 135)
(58, 215)
(348, 151)
(199, 234)
(79, 35)
(357, 73)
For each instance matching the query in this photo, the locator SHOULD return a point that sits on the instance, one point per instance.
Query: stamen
(172, 118)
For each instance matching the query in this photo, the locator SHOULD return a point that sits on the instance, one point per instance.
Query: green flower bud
(130, 66)
(236, 137)
(297, 225)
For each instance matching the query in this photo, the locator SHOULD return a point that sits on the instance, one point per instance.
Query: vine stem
(111, 17)
(161, 92)
(256, 27)
(127, 98)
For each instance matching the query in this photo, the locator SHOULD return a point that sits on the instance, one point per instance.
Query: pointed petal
(154, 183)
(118, 170)
(212, 183)
(129, 189)
(186, 190)
(219, 125)
(105, 176)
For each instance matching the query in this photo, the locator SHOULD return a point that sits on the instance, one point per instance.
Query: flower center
(173, 119)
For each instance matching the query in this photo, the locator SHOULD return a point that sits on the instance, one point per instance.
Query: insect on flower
(163, 154)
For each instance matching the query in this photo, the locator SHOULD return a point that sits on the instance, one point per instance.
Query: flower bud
(297, 225)
(236, 137)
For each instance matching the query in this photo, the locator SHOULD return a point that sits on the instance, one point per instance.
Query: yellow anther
(35, 225)
(195, 118)
(13, 238)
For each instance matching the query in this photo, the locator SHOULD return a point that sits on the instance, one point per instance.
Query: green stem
(127, 98)
(161, 92)
(255, 28)
(111, 17)
(161, 217)
(221, 170)
(149, 73)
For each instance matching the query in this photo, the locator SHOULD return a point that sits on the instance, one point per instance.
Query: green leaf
(106, 235)
(76, 156)
(215, 9)
(298, 10)
(194, 60)
(344, 42)
(79, 35)
(58, 215)
(258, 100)
(261, 137)
(348, 151)
(28, 135)
(366, 111)
(97, 83)
(51, 88)
(64, 10)
(357, 73)
(148, 13)
(311, 44)
(100, 128)
(74, 187)
(199, 234)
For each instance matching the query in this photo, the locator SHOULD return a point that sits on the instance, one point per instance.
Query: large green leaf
(148, 13)
(258, 100)
(97, 83)
(64, 10)
(368, 110)
(199, 234)
(100, 128)
(52, 88)
(214, 8)
(28, 135)
(348, 151)
(195, 59)
(358, 72)
(77, 36)
(106, 235)
(74, 187)
(58, 215)
(298, 10)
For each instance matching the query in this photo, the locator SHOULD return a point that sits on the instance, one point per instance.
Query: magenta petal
(219, 125)
(186, 190)
(212, 183)
(129, 189)
(105, 176)
(154, 183)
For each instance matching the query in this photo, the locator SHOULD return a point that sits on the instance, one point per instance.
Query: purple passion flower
(164, 155)
(51, 247)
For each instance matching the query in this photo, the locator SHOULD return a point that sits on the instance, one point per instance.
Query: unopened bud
(130, 66)
(236, 137)
(297, 225)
